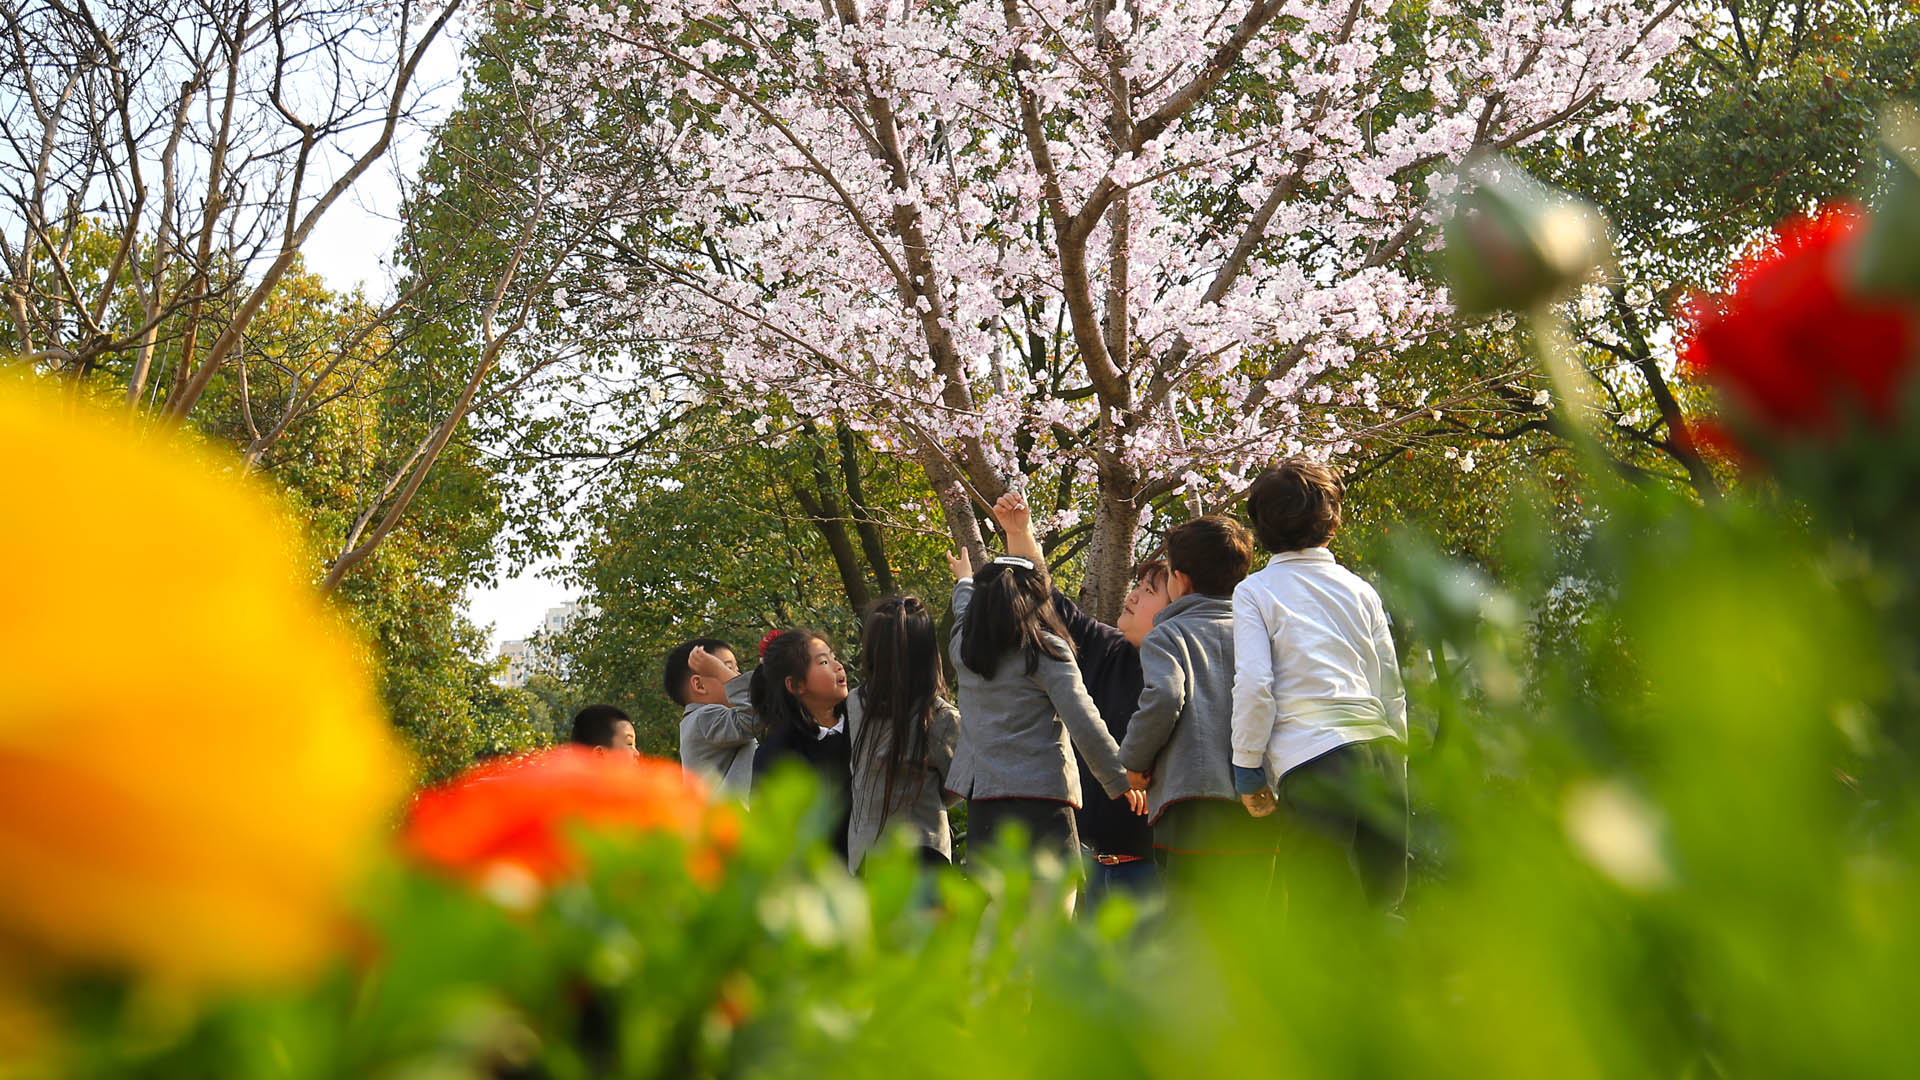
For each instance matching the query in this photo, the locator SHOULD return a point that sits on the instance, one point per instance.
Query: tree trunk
(825, 513)
(872, 542)
(1109, 564)
(955, 504)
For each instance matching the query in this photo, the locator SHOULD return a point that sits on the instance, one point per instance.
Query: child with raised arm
(1021, 700)
(1319, 713)
(1109, 660)
(718, 730)
(1179, 742)
(904, 733)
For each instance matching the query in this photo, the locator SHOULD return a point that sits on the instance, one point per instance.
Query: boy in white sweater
(1319, 713)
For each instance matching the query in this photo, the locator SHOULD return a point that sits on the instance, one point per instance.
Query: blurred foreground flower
(505, 825)
(192, 762)
(1889, 255)
(1797, 352)
(1513, 243)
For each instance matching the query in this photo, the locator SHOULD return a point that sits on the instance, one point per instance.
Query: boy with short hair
(1178, 743)
(604, 727)
(719, 731)
(1319, 713)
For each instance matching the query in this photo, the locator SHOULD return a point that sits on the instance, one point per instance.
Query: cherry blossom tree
(1129, 248)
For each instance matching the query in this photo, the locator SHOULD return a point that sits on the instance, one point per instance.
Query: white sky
(349, 249)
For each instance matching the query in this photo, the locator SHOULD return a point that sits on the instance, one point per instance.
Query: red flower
(1792, 345)
(516, 814)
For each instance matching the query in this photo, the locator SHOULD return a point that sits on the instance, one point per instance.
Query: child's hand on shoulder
(961, 564)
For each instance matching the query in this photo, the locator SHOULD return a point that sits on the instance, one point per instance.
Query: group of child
(1227, 720)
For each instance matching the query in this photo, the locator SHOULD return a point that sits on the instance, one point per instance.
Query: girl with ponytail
(904, 733)
(799, 692)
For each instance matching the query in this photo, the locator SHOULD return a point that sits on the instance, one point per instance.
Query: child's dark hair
(900, 685)
(677, 673)
(1012, 610)
(1213, 551)
(593, 725)
(784, 657)
(1152, 573)
(1295, 505)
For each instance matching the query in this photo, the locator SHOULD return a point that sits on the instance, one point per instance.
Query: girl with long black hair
(1021, 700)
(800, 693)
(904, 732)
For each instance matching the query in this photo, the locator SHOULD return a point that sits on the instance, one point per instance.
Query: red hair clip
(768, 640)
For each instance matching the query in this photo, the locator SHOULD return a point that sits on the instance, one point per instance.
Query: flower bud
(1888, 258)
(1514, 243)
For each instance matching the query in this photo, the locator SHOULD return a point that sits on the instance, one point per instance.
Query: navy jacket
(830, 758)
(1110, 666)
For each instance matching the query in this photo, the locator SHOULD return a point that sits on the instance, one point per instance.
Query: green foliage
(1768, 111)
(1667, 841)
(716, 544)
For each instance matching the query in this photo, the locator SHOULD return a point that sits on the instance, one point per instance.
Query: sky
(349, 249)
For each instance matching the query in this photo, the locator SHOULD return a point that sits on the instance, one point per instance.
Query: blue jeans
(1137, 879)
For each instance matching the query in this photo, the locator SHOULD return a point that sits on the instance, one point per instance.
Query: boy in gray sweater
(1179, 746)
(719, 731)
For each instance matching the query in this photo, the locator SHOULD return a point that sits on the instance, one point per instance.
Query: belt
(1115, 860)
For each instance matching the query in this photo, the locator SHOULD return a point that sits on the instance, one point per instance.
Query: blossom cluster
(1149, 239)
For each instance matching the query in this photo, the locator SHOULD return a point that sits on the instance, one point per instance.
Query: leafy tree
(731, 541)
(1766, 112)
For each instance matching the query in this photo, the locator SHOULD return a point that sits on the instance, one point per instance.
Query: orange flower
(512, 817)
(193, 764)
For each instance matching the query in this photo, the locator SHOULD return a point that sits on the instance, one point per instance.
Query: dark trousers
(1344, 816)
(1137, 878)
(1049, 826)
(1213, 844)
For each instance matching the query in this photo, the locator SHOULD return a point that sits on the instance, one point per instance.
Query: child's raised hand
(1011, 511)
(961, 564)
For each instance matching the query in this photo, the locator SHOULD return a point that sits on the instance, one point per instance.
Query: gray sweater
(919, 802)
(1182, 731)
(718, 741)
(1013, 741)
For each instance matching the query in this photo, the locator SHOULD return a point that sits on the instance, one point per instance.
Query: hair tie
(768, 640)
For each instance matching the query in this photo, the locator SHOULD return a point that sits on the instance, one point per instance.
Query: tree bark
(821, 508)
(955, 504)
(822, 504)
(872, 542)
(1109, 565)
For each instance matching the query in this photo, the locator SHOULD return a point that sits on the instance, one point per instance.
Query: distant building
(526, 657)
(514, 675)
(558, 618)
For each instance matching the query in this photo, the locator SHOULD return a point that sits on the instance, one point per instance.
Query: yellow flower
(192, 762)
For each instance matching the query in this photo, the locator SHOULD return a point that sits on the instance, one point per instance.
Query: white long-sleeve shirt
(1314, 665)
